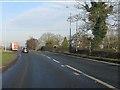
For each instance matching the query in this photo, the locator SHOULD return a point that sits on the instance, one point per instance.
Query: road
(55, 70)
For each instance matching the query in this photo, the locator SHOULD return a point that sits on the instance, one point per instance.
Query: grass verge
(93, 57)
(7, 58)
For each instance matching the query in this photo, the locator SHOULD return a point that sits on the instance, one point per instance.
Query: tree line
(97, 18)
(49, 42)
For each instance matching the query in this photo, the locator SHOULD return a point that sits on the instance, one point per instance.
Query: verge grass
(6, 57)
(94, 57)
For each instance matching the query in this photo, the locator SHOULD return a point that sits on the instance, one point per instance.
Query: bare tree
(47, 38)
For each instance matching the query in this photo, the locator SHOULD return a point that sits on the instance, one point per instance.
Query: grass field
(6, 57)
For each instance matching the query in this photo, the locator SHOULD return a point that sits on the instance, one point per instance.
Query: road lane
(37, 71)
(105, 72)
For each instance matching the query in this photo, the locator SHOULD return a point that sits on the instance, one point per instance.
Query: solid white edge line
(56, 61)
(105, 62)
(40, 54)
(97, 61)
(93, 78)
(116, 64)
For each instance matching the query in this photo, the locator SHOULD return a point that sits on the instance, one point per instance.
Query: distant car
(25, 50)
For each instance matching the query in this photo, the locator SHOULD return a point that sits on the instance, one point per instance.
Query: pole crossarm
(74, 18)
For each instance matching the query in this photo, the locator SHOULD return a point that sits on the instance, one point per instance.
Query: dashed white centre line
(76, 73)
(56, 61)
(19, 54)
(43, 54)
(53, 59)
(91, 77)
(62, 65)
(48, 57)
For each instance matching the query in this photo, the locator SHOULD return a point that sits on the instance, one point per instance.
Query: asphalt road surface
(53, 70)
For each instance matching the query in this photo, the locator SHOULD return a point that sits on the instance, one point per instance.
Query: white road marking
(76, 73)
(105, 62)
(62, 65)
(93, 60)
(56, 61)
(48, 57)
(91, 77)
(19, 54)
(43, 55)
(40, 54)
(97, 61)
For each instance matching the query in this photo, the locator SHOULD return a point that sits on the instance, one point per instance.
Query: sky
(22, 20)
(1, 23)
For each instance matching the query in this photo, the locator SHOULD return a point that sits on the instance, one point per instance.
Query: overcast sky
(21, 20)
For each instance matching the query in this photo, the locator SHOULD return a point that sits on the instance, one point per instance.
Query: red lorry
(14, 46)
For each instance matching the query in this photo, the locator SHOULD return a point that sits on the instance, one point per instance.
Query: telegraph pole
(76, 34)
(70, 35)
(4, 37)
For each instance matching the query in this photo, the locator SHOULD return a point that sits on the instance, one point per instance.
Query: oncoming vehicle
(25, 50)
